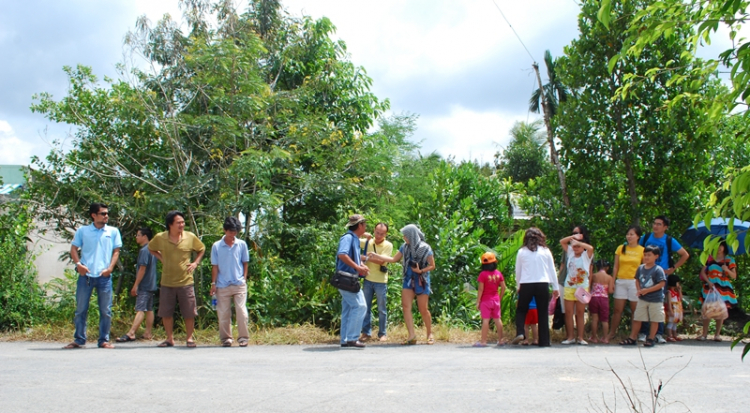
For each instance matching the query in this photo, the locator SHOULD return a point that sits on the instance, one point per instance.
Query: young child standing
(488, 299)
(649, 284)
(602, 285)
(531, 324)
(675, 303)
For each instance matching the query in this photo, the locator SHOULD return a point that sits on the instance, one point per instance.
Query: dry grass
(289, 335)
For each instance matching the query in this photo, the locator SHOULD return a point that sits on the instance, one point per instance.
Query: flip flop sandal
(431, 341)
(410, 342)
(243, 343)
(190, 344)
(718, 339)
(701, 338)
(671, 339)
(628, 342)
(478, 344)
(165, 344)
(72, 346)
(124, 339)
(649, 342)
(106, 344)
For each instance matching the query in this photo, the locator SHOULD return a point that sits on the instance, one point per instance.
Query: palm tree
(554, 91)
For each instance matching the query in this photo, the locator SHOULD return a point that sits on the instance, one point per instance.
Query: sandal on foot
(701, 338)
(525, 343)
(73, 345)
(165, 344)
(124, 339)
(430, 340)
(243, 343)
(410, 342)
(478, 344)
(649, 342)
(628, 342)
(718, 339)
(106, 344)
(190, 344)
(671, 339)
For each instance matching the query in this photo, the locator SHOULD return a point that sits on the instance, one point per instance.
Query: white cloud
(467, 134)
(13, 151)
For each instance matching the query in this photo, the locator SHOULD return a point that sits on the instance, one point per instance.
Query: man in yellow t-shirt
(376, 282)
(175, 248)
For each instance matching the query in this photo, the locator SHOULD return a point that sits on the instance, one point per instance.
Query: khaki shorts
(169, 296)
(647, 311)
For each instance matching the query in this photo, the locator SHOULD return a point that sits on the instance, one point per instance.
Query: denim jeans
(353, 310)
(379, 290)
(645, 329)
(84, 288)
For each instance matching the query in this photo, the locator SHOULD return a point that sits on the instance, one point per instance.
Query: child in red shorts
(602, 285)
(532, 324)
(488, 299)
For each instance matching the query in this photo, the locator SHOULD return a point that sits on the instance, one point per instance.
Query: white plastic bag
(713, 307)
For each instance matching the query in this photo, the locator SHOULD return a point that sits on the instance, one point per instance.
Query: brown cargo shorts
(185, 295)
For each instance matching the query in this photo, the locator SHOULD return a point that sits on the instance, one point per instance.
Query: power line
(514, 31)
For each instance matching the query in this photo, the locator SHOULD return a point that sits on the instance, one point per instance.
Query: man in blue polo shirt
(100, 248)
(229, 259)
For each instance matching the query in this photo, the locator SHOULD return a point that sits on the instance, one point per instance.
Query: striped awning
(8, 188)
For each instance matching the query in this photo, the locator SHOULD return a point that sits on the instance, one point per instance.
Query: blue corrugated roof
(8, 188)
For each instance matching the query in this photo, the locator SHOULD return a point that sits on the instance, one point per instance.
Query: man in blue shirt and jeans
(229, 260)
(100, 249)
(349, 259)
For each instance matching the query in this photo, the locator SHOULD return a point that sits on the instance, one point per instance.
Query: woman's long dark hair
(534, 238)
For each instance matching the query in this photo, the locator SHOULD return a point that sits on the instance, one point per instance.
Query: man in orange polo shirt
(175, 248)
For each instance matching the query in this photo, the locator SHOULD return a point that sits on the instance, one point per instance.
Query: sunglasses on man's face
(104, 214)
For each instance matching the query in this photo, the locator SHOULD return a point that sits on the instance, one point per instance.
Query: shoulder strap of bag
(645, 240)
(670, 261)
(351, 247)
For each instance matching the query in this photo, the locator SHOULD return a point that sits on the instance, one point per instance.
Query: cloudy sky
(456, 64)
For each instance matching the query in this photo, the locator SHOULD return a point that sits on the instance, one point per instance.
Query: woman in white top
(535, 273)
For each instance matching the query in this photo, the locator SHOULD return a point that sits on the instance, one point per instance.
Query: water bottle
(213, 302)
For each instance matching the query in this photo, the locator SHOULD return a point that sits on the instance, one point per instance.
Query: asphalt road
(40, 377)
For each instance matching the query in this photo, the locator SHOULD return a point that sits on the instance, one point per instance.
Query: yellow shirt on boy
(385, 248)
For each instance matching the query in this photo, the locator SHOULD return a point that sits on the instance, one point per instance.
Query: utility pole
(551, 139)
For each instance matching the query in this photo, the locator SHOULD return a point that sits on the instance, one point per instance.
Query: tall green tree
(525, 157)
(628, 159)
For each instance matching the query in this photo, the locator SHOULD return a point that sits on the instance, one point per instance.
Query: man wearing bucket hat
(349, 259)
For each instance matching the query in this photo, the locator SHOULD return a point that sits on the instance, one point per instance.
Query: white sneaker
(517, 339)
(583, 342)
(571, 341)
(660, 339)
(641, 337)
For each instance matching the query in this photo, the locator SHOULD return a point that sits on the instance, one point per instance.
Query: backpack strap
(645, 239)
(670, 261)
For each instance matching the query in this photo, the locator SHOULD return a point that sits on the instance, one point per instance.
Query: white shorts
(625, 290)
